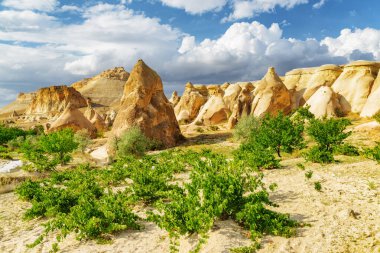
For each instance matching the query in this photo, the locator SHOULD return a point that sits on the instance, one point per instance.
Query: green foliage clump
(134, 142)
(83, 139)
(347, 149)
(329, 135)
(318, 186)
(309, 174)
(11, 133)
(377, 117)
(373, 153)
(245, 126)
(270, 135)
(47, 151)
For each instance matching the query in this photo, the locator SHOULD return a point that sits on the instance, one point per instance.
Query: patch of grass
(309, 174)
(318, 186)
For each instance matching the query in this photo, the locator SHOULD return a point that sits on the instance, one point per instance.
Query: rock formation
(20, 105)
(354, 85)
(96, 119)
(231, 95)
(144, 105)
(74, 119)
(174, 100)
(271, 96)
(105, 89)
(372, 105)
(215, 111)
(324, 103)
(193, 98)
(242, 106)
(55, 99)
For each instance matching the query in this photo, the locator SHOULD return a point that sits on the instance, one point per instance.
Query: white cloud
(353, 41)
(24, 21)
(251, 8)
(196, 6)
(39, 5)
(70, 8)
(319, 4)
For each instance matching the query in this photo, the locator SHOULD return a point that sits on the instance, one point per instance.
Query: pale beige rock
(144, 105)
(193, 98)
(105, 89)
(372, 105)
(271, 96)
(96, 119)
(20, 105)
(231, 95)
(74, 119)
(215, 111)
(225, 86)
(325, 75)
(174, 100)
(324, 103)
(55, 99)
(241, 108)
(354, 85)
(367, 127)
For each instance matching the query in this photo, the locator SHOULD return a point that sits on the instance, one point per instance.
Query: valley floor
(343, 217)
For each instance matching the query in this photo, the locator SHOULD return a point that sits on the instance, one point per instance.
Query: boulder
(193, 98)
(354, 85)
(105, 89)
(271, 96)
(215, 111)
(55, 99)
(74, 119)
(144, 105)
(372, 105)
(96, 119)
(324, 103)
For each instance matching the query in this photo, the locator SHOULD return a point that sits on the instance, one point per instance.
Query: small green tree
(60, 144)
(279, 133)
(133, 142)
(245, 127)
(10, 133)
(329, 135)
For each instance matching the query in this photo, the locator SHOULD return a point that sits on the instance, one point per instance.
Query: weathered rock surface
(271, 96)
(354, 85)
(105, 89)
(74, 119)
(215, 111)
(231, 95)
(144, 105)
(20, 105)
(372, 105)
(174, 100)
(242, 106)
(324, 103)
(193, 98)
(96, 119)
(52, 100)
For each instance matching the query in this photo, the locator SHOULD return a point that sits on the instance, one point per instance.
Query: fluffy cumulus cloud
(40, 5)
(250, 8)
(351, 43)
(196, 6)
(38, 49)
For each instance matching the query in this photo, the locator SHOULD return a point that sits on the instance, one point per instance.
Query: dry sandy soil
(344, 217)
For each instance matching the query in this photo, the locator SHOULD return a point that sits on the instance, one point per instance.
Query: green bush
(347, 149)
(11, 133)
(83, 139)
(377, 117)
(373, 153)
(47, 151)
(245, 127)
(329, 135)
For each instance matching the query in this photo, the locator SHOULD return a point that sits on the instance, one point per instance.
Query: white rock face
(8, 167)
(323, 103)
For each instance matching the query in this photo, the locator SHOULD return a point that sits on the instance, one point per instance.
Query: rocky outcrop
(354, 85)
(96, 119)
(52, 100)
(74, 119)
(324, 103)
(372, 105)
(271, 96)
(325, 75)
(174, 100)
(105, 89)
(20, 105)
(242, 106)
(215, 111)
(144, 105)
(193, 98)
(231, 95)
(296, 81)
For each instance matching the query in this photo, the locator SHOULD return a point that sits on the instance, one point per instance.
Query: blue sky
(49, 42)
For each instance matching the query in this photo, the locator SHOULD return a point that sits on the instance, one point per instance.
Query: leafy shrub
(245, 127)
(318, 186)
(377, 117)
(329, 135)
(134, 142)
(11, 133)
(256, 157)
(309, 174)
(347, 149)
(373, 153)
(83, 139)
(47, 151)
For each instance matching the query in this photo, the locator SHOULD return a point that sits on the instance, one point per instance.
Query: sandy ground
(344, 217)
